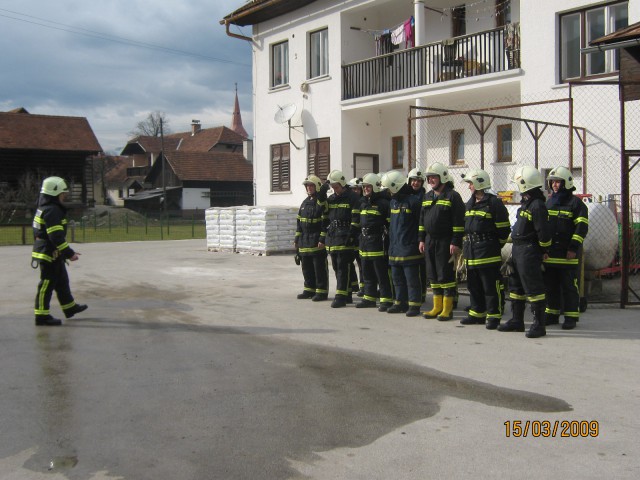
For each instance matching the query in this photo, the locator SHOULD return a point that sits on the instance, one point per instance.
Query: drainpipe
(419, 18)
(236, 35)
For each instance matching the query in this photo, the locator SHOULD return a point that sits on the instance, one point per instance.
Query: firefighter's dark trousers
(406, 283)
(315, 271)
(342, 264)
(440, 270)
(563, 295)
(485, 292)
(375, 270)
(53, 278)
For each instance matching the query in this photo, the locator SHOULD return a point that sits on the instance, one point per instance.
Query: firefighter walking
(51, 251)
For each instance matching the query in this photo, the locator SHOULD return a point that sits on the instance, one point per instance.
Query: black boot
(413, 311)
(569, 323)
(339, 301)
(516, 322)
(47, 321)
(537, 327)
(366, 304)
(398, 308)
(319, 297)
(492, 323)
(304, 295)
(384, 306)
(551, 319)
(77, 308)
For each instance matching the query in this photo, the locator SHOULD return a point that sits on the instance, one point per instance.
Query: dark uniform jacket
(343, 221)
(374, 221)
(569, 224)
(311, 216)
(442, 216)
(486, 228)
(403, 228)
(50, 231)
(532, 222)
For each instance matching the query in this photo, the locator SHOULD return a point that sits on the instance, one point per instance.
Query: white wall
(192, 198)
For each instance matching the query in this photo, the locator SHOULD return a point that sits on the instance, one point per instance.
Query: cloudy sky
(116, 61)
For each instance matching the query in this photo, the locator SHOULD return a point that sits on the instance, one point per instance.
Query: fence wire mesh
(579, 127)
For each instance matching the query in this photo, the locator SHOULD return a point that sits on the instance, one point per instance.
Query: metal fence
(115, 226)
(583, 127)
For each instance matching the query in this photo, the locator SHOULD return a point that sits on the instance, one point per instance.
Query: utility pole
(164, 183)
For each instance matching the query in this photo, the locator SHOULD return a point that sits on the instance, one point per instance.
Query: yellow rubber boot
(437, 307)
(447, 309)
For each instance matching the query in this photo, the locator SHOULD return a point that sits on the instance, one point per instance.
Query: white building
(327, 58)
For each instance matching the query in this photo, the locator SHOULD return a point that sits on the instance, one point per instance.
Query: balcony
(482, 53)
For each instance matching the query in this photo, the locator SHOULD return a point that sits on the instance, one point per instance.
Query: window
(397, 152)
(279, 64)
(504, 143)
(579, 28)
(457, 147)
(503, 12)
(319, 157)
(280, 168)
(319, 53)
(459, 21)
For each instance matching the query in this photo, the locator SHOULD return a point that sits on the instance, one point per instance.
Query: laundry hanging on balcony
(391, 39)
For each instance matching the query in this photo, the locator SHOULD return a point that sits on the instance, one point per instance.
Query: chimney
(195, 127)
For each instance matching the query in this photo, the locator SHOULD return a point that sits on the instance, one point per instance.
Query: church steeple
(236, 124)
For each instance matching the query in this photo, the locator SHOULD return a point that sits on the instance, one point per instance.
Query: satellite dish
(285, 114)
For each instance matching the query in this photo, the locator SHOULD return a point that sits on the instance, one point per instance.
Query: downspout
(236, 35)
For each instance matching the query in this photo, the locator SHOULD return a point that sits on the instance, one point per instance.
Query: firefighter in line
(416, 179)
(441, 231)
(374, 221)
(486, 229)
(404, 256)
(309, 242)
(569, 224)
(340, 231)
(357, 284)
(51, 252)
(531, 241)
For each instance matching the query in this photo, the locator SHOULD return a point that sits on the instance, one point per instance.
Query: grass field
(16, 235)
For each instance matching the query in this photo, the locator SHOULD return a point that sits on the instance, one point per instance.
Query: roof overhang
(259, 11)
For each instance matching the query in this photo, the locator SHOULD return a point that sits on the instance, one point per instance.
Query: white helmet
(373, 180)
(393, 181)
(313, 180)
(527, 178)
(336, 176)
(416, 173)
(440, 170)
(478, 177)
(54, 186)
(355, 182)
(561, 173)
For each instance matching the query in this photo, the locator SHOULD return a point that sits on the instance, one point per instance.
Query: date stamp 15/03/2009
(552, 428)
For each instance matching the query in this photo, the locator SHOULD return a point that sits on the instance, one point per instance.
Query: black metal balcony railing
(490, 51)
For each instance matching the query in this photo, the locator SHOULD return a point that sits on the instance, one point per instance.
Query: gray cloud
(99, 60)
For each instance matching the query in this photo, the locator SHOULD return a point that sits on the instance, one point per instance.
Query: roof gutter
(236, 35)
(634, 42)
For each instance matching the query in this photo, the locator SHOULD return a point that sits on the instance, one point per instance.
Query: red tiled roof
(202, 141)
(210, 166)
(25, 131)
(117, 174)
(261, 10)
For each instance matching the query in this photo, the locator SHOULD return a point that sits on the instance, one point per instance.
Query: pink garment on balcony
(408, 33)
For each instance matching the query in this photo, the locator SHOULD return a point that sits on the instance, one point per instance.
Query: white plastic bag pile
(259, 230)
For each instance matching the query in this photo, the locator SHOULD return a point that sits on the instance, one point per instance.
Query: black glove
(325, 187)
(297, 259)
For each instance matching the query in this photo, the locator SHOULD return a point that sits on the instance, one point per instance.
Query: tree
(150, 126)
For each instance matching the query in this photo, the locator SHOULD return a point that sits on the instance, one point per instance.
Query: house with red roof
(48, 145)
